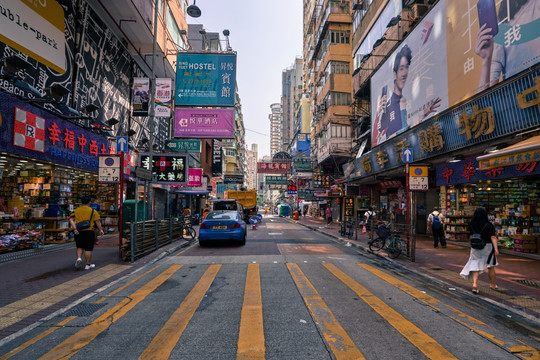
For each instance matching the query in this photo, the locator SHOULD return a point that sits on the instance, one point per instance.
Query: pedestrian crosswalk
(272, 310)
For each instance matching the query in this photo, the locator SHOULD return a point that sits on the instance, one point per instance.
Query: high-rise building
(291, 93)
(251, 177)
(275, 128)
(327, 81)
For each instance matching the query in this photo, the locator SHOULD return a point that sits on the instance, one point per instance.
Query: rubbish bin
(129, 212)
(296, 215)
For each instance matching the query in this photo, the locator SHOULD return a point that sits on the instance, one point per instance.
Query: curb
(428, 276)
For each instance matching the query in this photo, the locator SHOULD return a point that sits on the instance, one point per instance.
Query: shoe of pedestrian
(475, 290)
(78, 264)
(444, 246)
(88, 267)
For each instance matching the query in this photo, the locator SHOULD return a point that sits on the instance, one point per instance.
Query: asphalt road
(289, 293)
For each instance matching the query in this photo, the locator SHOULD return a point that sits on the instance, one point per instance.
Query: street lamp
(193, 10)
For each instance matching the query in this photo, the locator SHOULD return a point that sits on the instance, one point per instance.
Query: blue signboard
(504, 111)
(467, 171)
(205, 79)
(47, 137)
(121, 143)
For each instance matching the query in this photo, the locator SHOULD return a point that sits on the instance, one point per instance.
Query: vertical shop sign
(163, 96)
(349, 206)
(141, 96)
(217, 162)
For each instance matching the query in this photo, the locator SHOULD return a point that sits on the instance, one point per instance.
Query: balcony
(335, 148)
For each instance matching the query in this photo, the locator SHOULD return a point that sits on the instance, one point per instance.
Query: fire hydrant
(296, 215)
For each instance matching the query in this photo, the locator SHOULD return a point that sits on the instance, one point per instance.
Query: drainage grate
(83, 310)
(531, 283)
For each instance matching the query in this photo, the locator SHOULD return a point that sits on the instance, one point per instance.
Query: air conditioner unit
(419, 10)
(358, 5)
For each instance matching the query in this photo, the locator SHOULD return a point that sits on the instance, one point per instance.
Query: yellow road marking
(186, 249)
(36, 339)
(337, 338)
(125, 286)
(251, 336)
(165, 340)
(425, 298)
(18, 310)
(77, 341)
(424, 343)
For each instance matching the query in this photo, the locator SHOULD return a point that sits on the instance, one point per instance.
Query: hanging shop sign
(141, 96)
(349, 206)
(292, 188)
(195, 178)
(205, 79)
(233, 179)
(277, 187)
(302, 164)
(36, 29)
(162, 97)
(183, 145)
(467, 171)
(35, 133)
(167, 168)
(217, 159)
(306, 194)
(275, 180)
(501, 112)
(204, 123)
(321, 181)
(273, 167)
(523, 152)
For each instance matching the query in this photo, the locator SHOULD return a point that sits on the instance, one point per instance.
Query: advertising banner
(141, 96)
(37, 31)
(217, 159)
(163, 96)
(169, 168)
(204, 123)
(411, 85)
(205, 79)
(233, 179)
(489, 41)
(461, 48)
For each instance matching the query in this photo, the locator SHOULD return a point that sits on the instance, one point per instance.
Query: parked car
(229, 204)
(223, 225)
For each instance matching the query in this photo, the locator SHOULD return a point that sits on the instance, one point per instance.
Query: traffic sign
(418, 183)
(418, 171)
(109, 169)
(183, 145)
(407, 155)
(121, 144)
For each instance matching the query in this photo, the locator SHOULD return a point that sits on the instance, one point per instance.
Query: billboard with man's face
(461, 48)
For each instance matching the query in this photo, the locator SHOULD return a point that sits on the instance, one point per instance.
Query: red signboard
(273, 167)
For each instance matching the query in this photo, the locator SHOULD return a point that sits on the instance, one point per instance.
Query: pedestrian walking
(369, 220)
(97, 207)
(483, 259)
(83, 220)
(435, 222)
(328, 216)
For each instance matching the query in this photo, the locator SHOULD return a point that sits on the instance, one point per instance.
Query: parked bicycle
(386, 238)
(347, 229)
(188, 232)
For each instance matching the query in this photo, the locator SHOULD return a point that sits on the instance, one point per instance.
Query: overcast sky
(267, 36)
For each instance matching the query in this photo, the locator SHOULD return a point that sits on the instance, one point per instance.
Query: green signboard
(302, 164)
(183, 145)
(306, 194)
(276, 180)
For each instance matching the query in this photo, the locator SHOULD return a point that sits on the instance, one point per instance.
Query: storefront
(46, 165)
(510, 193)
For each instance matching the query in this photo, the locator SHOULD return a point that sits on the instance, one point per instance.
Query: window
(174, 30)
(340, 131)
(340, 37)
(339, 67)
(338, 98)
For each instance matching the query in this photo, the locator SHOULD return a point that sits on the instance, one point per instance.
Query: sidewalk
(518, 278)
(51, 273)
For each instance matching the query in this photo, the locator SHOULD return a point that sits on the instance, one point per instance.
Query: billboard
(411, 85)
(204, 123)
(453, 54)
(169, 168)
(205, 79)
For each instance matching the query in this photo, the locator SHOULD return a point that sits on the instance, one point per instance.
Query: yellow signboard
(418, 171)
(36, 28)
(510, 159)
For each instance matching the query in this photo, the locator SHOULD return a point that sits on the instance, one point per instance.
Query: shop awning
(520, 153)
(193, 192)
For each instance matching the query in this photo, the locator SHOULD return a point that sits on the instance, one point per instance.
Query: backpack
(436, 222)
(477, 242)
(370, 217)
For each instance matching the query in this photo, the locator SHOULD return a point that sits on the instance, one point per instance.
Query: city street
(289, 293)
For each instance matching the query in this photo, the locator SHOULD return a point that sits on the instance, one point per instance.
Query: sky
(267, 36)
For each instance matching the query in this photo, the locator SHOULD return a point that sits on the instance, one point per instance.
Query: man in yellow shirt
(85, 238)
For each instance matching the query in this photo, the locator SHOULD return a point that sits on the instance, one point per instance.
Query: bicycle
(188, 231)
(394, 247)
(346, 229)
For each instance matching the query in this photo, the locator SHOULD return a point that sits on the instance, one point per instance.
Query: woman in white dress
(483, 259)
